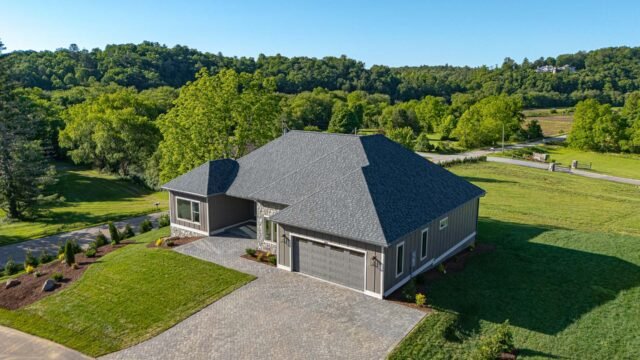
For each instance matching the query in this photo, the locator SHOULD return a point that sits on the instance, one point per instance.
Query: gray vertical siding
(284, 254)
(204, 211)
(227, 210)
(372, 258)
(462, 223)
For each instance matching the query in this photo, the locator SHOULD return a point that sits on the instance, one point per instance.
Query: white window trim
(422, 244)
(444, 220)
(398, 274)
(264, 225)
(191, 201)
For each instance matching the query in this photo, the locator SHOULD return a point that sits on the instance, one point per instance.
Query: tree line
(605, 74)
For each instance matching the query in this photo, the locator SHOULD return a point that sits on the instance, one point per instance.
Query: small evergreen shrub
(37, 274)
(57, 277)
(90, 252)
(10, 267)
(146, 226)
(169, 242)
(113, 232)
(101, 240)
(272, 260)
(30, 260)
(251, 252)
(159, 242)
(29, 269)
(409, 290)
(492, 345)
(128, 232)
(421, 299)
(69, 253)
(61, 256)
(164, 221)
(45, 257)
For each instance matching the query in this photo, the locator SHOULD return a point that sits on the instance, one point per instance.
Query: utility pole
(503, 136)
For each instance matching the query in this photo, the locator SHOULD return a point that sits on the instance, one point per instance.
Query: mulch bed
(452, 265)
(176, 241)
(264, 259)
(29, 289)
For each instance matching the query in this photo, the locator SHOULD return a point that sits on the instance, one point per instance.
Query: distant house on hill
(555, 69)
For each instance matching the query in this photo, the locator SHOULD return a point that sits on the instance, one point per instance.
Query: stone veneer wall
(183, 233)
(265, 209)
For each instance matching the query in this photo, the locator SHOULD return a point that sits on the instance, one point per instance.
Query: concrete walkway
(16, 345)
(50, 243)
(280, 315)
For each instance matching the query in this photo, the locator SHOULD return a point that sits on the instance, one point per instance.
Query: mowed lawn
(624, 165)
(90, 198)
(565, 271)
(130, 295)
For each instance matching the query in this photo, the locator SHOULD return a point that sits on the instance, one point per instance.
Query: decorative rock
(11, 283)
(49, 285)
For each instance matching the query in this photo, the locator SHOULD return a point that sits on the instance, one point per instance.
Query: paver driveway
(279, 315)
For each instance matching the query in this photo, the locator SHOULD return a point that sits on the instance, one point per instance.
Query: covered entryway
(329, 262)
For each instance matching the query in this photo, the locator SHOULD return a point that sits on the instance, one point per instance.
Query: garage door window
(399, 259)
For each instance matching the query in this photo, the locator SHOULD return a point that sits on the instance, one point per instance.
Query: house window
(444, 223)
(270, 230)
(423, 243)
(399, 259)
(188, 210)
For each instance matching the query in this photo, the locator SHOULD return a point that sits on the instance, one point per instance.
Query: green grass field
(90, 198)
(130, 295)
(565, 272)
(625, 165)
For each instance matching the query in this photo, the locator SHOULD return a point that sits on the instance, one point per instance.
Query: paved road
(16, 345)
(280, 315)
(436, 158)
(50, 243)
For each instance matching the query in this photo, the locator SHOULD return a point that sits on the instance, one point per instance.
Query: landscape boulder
(11, 283)
(49, 285)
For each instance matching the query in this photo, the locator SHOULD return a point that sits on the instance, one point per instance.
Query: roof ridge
(299, 169)
(326, 133)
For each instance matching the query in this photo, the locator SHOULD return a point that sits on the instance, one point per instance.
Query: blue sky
(377, 32)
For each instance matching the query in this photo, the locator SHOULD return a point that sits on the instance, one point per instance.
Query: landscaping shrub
(467, 160)
(272, 260)
(159, 242)
(10, 267)
(30, 260)
(101, 240)
(251, 252)
(29, 269)
(57, 277)
(163, 220)
(259, 257)
(169, 242)
(113, 232)
(90, 252)
(409, 290)
(37, 274)
(421, 299)
(45, 257)
(128, 232)
(442, 268)
(69, 253)
(497, 342)
(146, 226)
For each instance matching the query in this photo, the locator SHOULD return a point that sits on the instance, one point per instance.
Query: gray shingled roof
(365, 188)
(212, 177)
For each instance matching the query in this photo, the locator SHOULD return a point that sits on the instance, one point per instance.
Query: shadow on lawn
(535, 285)
(475, 179)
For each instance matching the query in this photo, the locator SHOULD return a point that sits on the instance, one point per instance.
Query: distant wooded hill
(605, 74)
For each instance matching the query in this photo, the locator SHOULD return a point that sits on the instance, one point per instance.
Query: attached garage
(330, 262)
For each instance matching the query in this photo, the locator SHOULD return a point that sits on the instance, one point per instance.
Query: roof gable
(212, 177)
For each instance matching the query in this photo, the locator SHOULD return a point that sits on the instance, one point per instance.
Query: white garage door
(331, 263)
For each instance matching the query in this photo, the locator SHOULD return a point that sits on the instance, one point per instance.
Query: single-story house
(359, 211)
